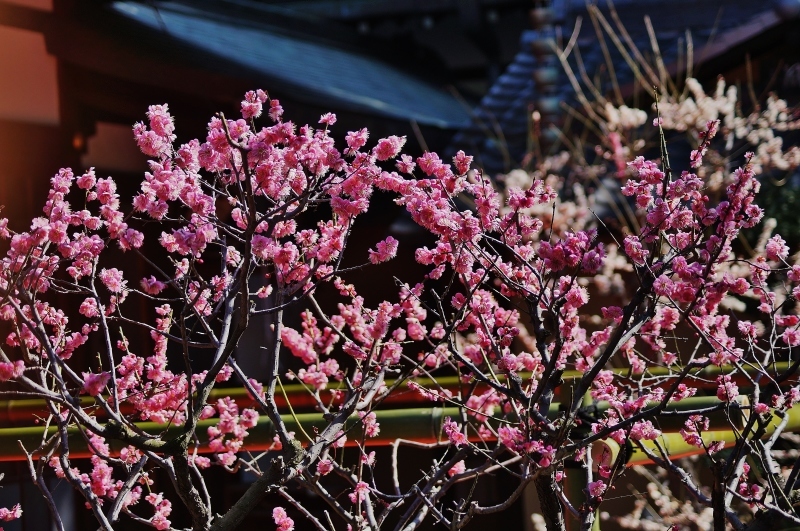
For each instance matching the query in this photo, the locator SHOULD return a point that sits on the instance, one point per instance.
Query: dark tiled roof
(311, 70)
(499, 125)
(498, 131)
(345, 9)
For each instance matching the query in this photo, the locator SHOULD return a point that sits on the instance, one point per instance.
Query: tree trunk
(552, 511)
(718, 499)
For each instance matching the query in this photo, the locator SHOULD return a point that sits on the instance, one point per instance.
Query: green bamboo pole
(24, 412)
(420, 425)
(300, 396)
(674, 414)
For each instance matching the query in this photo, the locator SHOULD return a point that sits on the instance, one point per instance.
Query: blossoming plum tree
(504, 307)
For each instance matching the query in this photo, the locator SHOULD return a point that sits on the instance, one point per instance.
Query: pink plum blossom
(11, 370)
(282, 520)
(385, 250)
(596, 488)
(94, 383)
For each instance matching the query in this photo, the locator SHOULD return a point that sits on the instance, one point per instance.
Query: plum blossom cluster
(282, 520)
(9, 515)
(546, 338)
(683, 260)
(689, 314)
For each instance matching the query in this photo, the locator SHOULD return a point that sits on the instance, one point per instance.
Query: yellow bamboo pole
(676, 447)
